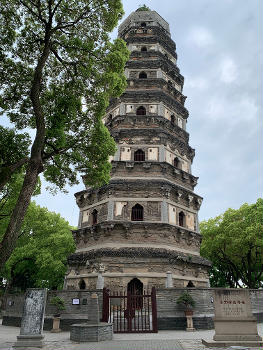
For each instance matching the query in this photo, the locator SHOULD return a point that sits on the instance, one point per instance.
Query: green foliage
(233, 242)
(143, 8)
(58, 302)
(13, 146)
(40, 257)
(81, 71)
(8, 198)
(58, 71)
(186, 300)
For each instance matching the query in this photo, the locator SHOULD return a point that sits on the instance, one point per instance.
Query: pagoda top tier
(143, 18)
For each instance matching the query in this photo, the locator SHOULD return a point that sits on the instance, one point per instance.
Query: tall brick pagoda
(144, 223)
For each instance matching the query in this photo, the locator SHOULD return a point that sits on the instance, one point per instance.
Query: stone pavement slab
(164, 340)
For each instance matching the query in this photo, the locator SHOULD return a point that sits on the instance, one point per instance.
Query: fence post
(154, 310)
(105, 306)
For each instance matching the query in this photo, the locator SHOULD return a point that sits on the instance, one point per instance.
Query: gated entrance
(130, 312)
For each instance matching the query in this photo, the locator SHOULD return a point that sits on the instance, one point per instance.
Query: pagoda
(144, 223)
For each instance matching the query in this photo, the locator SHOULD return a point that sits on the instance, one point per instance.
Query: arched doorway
(190, 285)
(139, 155)
(137, 213)
(82, 284)
(141, 111)
(142, 75)
(94, 217)
(181, 219)
(135, 288)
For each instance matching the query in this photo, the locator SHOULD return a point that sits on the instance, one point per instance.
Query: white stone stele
(100, 281)
(169, 280)
(32, 320)
(234, 322)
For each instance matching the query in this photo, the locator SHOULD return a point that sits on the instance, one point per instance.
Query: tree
(233, 242)
(58, 71)
(40, 257)
(143, 8)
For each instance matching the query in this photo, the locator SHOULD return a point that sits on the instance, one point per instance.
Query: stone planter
(189, 320)
(56, 324)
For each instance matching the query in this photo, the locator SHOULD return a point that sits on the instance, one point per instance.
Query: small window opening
(176, 162)
(141, 111)
(181, 219)
(172, 119)
(144, 49)
(82, 284)
(139, 156)
(137, 213)
(143, 24)
(142, 75)
(94, 215)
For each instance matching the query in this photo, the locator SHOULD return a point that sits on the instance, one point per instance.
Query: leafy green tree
(58, 71)
(233, 242)
(40, 257)
(143, 8)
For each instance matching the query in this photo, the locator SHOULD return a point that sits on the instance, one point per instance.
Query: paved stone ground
(164, 340)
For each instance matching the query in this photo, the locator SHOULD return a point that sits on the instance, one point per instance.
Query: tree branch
(7, 171)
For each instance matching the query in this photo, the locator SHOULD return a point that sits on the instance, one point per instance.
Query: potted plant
(60, 305)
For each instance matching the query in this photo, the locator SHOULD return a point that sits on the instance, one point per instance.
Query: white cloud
(201, 37)
(228, 70)
(196, 83)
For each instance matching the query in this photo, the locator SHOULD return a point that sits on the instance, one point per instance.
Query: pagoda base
(150, 265)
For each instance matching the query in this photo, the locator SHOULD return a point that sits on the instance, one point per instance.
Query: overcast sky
(220, 56)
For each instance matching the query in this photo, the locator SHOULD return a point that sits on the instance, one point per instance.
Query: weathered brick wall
(167, 306)
(170, 315)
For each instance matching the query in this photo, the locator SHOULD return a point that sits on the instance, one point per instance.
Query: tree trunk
(35, 165)
(12, 232)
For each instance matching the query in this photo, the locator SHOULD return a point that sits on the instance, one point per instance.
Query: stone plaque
(234, 322)
(33, 312)
(232, 304)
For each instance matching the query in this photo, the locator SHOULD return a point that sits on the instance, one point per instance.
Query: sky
(220, 56)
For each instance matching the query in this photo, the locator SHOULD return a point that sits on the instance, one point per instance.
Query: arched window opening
(143, 24)
(135, 288)
(137, 213)
(176, 162)
(142, 75)
(190, 285)
(110, 117)
(172, 119)
(139, 156)
(144, 49)
(141, 111)
(82, 284)
(94, 216)
(181, 219)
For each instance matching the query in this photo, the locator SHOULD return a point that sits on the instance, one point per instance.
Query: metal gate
(130, 313)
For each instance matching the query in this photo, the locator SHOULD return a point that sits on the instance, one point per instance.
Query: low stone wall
(96, 333)
(73, 313)
(169, 314)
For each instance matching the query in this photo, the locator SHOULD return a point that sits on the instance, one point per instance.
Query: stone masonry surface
(164, 340)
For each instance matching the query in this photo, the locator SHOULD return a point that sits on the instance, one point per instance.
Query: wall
(169, 314)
